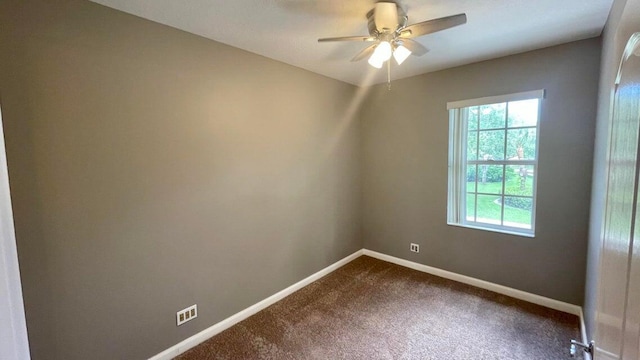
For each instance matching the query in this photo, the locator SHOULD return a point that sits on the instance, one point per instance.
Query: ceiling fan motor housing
(385, 17)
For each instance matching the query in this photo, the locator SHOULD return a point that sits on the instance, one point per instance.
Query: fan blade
(348, 38)
(415, 47)
(364, 53)
(431, 26)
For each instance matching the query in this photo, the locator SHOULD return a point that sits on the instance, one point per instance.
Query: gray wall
(622, 23)
(405, 144)
(152, 169)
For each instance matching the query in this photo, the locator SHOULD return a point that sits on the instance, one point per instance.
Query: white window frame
(457, 164)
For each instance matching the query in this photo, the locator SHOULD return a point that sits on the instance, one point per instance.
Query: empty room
(299, 179)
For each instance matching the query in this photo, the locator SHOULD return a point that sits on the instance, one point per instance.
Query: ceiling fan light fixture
(376, 63)
(383, 50)
(381, 54)
(401, 54)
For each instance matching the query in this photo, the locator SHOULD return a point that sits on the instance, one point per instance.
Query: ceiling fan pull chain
(389, 74)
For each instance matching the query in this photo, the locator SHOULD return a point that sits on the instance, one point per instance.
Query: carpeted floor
(371, 309)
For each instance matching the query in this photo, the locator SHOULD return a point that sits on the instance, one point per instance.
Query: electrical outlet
(414, 248)
(187, 314)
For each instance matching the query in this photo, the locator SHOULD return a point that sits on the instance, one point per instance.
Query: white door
(14, 344)
(630, 80)
(618, 311)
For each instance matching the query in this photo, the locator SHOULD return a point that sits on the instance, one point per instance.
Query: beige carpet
(371, 309)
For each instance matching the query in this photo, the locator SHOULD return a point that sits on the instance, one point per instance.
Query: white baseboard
(205, 334)
(583, 334)
(500, 289)
(583, 328)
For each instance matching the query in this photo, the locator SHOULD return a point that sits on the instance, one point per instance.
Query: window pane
(471, 178)
(490, 179)
(471, 207)
(492, 145)
(472, 145)
(517, 212)
(519, 180)
(523, 113)
(489, 209)
(493, 116)
(521, 144)
(493, 164)
(472, 117)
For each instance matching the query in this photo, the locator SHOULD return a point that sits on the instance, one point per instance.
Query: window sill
(502, 231)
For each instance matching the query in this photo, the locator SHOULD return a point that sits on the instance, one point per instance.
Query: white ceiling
(287, 30)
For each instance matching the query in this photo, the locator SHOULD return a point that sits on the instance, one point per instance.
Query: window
(493, 162)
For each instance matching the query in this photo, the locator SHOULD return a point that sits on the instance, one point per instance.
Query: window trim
(457, 162)
(526, 95)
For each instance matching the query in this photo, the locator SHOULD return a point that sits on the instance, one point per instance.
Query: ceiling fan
(388, 28)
